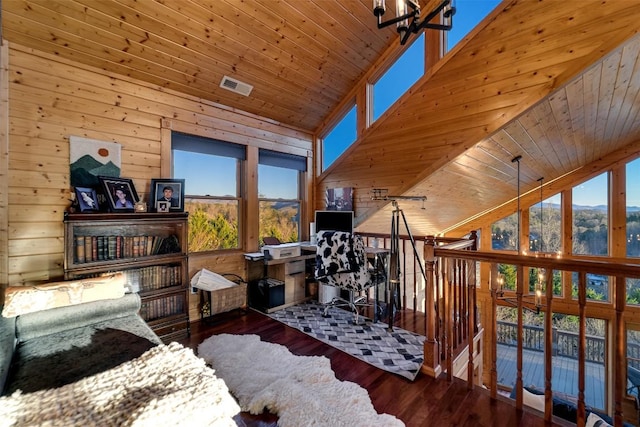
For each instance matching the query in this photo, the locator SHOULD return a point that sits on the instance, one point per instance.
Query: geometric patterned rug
(399, 352)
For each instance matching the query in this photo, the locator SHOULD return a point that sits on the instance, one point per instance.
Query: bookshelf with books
(149, 248)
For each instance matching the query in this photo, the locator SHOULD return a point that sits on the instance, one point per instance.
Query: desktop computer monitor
(334, 221)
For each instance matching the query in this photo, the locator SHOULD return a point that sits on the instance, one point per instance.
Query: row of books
(153, 277)
(162, 307)
(104, 248)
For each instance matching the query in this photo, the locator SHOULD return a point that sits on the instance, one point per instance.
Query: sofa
(88, 358)
(50, 348)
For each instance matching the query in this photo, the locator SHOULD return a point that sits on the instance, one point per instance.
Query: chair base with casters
(354, 304)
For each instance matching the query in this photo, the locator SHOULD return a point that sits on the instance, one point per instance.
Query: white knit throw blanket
(166, 386)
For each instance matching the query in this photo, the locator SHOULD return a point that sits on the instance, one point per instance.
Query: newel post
(431, 364)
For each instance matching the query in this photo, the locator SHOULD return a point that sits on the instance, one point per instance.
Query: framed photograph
(120, 193)
(162, 206)
(167, 190)
(87, 199)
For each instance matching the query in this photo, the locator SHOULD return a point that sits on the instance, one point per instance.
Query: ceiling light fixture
(410, 10)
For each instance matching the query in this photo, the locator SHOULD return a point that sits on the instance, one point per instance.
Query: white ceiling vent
(236, 86)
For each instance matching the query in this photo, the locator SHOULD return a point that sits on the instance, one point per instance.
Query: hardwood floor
(423, 402)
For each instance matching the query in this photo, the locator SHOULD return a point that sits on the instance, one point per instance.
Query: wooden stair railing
(618, 272)
(450, 307)
(451, 315)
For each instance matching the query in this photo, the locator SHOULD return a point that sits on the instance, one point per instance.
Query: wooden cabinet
(149, 248)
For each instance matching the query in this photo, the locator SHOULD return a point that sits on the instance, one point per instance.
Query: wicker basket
(224, 300)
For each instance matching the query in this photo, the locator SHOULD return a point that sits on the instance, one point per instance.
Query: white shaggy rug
(167, 386)
(301, 390)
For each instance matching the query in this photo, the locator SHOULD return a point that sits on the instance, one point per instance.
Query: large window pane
(279, 205)
(339, 138)
(632, 191)
(633, 291)
(279, 195)
(597, 287)
(565, 354)
(469, 13)
(211, 170)
(504, 233)
(591, 217)
(213, 224)
(206, 174)
(399, 77)
(633, 360)
(545, 222)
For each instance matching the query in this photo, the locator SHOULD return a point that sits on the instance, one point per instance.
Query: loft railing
(449, 302)
(449, 306)
(564, 343)
(579, 346)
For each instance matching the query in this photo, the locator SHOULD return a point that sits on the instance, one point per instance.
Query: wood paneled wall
(4, 166)
(50, 99)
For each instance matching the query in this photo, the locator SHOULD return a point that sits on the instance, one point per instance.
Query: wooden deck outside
(564, 375)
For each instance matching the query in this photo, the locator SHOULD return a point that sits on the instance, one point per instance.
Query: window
(339, 138)
(565, 353)
(504, 233)
(211, 170)
(632, 191)
(633, 359)
(399, 77)
(597, 287)
(591, 216)
(545, 225)
(509, 275)
(279, 177)
(633, 291)
(468, 15)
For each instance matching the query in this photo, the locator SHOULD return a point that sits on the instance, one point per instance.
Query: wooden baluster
(431, 364)
(415, 285)
(519, 292)
(454, 300)
(404, 274)
(471, 303)
(465, 301)
(442, 321)
(548, 347)
(493, 285)
(620, 367)
(446, 315)
(582, 345)
(474, 298)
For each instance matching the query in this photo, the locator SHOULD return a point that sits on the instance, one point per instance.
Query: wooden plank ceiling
(554, 81)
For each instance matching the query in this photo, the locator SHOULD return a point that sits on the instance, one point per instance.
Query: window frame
(209, 146)
(284, 161)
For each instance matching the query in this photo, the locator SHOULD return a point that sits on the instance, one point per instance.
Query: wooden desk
(291, 271)
(295, 272)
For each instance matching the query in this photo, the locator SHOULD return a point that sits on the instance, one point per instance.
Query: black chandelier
(410, 10)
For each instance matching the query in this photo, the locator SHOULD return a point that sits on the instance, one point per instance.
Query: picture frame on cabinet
(170, 191)
(87, 199)
(120, 193)
(162, 206)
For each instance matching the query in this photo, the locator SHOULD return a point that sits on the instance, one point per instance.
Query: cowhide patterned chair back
(341, 261)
